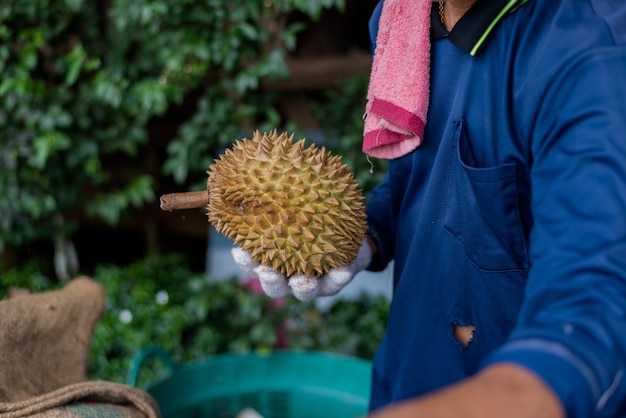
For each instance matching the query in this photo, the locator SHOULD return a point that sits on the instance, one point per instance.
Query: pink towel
(397, 99)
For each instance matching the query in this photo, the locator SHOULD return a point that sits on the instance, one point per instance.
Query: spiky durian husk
(297, 209)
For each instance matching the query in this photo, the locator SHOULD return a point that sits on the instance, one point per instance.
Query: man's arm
(500, 390)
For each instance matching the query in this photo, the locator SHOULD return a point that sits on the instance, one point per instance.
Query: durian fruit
(296, 209)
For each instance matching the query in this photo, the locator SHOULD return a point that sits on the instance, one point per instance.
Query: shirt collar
(472, 31)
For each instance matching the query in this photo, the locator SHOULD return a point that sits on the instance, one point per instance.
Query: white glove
(276, 285)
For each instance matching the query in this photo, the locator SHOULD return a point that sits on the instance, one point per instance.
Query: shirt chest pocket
(482, 212)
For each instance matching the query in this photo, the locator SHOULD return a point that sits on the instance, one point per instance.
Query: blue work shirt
(511, 216)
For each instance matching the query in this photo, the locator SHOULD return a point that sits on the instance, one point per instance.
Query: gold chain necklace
(441, 13)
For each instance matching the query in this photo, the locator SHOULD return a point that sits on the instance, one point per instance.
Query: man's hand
(500, 390)
(276, 285)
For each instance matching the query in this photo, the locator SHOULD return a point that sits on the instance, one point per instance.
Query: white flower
(126, 316)
(162, 297)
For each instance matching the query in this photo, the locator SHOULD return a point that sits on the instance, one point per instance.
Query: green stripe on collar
(472, 31)
(511, 6)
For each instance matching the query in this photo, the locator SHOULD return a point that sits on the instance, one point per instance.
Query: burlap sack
(93, 399)
(44, 349)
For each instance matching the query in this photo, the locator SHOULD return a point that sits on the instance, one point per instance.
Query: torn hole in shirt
(463, 333)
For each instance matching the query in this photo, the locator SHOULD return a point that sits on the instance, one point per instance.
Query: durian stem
(187, 200)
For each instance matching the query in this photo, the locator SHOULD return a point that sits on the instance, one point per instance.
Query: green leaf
(75, 61)
(46, 145)
(249, 31)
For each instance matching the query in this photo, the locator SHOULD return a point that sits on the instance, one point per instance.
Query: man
(508, 223)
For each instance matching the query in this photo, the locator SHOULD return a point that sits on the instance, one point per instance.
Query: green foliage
(353, 327)
(82, 79)
(29, 276)
(158, 301)
(340, 110)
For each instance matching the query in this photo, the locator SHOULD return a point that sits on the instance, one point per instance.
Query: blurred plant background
(159, 301)
(106, 104)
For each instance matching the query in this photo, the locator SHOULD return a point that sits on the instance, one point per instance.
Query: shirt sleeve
(373, 25)
(572, 327)
(381, 224)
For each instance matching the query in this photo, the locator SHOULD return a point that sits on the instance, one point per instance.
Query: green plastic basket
(279, 384)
